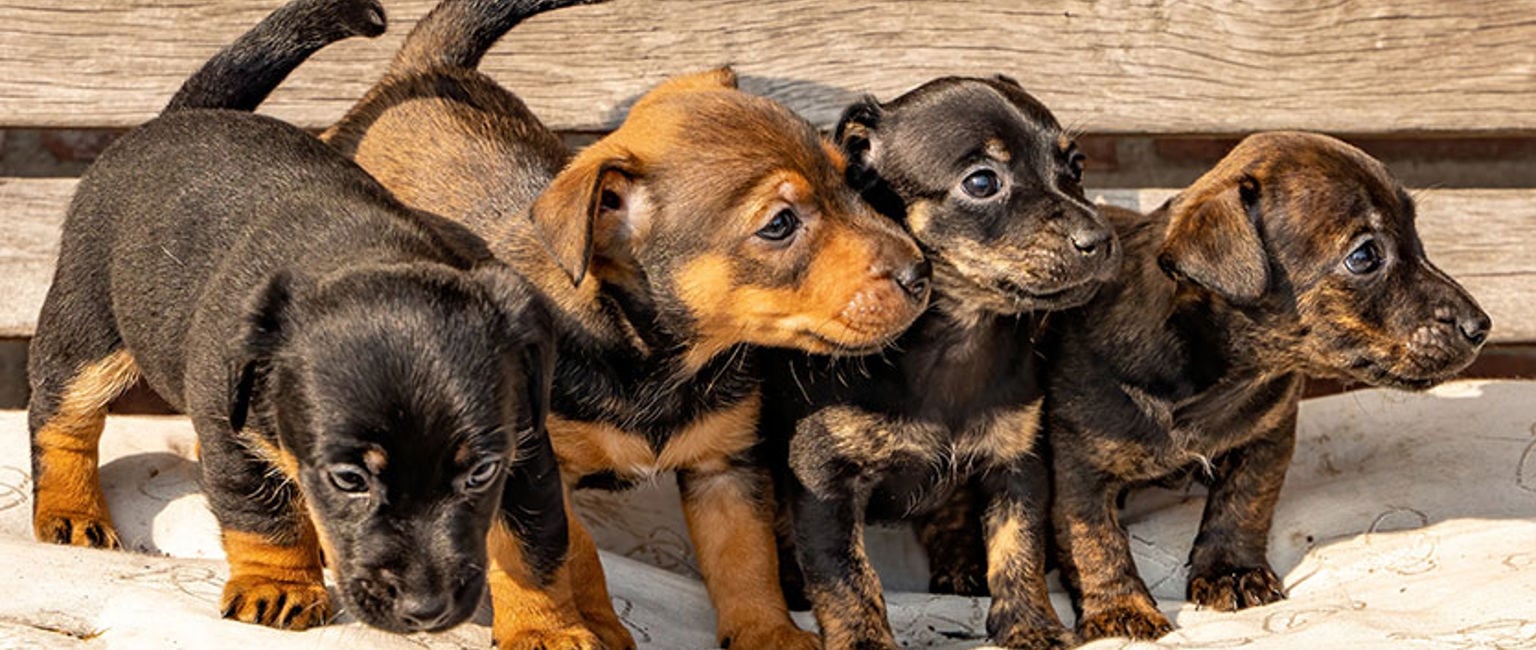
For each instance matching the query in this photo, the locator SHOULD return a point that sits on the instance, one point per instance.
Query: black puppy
(1296, 255)
(986, 180)
(363, 378)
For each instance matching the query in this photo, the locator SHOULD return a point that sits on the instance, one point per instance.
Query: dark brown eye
(483, 474)
(1366, 258)
(1075, 162)
(348, 478)
(784, 223)
(982, 184)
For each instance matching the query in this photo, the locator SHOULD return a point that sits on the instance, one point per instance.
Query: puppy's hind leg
(955, 544)
(66, 415)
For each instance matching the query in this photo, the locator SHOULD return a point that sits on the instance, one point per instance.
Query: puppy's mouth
(838, 348)
(1051, 299)
(376, 603)
(1377, 374)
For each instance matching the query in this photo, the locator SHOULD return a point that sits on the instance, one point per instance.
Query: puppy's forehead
(963, 117)
(729, 128)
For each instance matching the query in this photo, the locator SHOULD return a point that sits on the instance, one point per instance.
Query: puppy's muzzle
(915, 280)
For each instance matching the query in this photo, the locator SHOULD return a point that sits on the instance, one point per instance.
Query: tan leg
(529, 613)
(591, 587)
(68, 506)
(730, 519)
(281, 586)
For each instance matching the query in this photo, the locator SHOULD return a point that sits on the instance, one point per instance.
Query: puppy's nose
(423, 611)
(1092, 242)
(914, 279)
(1475, 327)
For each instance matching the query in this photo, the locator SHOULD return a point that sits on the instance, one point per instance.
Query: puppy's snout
(423, 611)
(1473, 323)
(915, 279)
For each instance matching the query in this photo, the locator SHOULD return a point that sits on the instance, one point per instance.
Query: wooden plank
(1106, 66)
(1482, 237)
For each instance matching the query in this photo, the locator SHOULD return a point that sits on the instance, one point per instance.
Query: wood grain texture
(1482, 237)
(1107, 66)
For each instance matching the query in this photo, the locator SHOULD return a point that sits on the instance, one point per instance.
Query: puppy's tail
(241, 76)
(456, 34)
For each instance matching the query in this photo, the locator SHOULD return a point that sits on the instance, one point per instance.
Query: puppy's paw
(1129, 618)
(1055, 637)
(961, 581)
(611, 631)
(571, 638)
(1227, 589)
(75, 529)
(776, 637)
(283, 605)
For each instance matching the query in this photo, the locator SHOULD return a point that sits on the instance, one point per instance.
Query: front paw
(1132, 618)
(1048, 637)
(611, 631)
(1228, 589)
(75, 529)
(775, 637)
(960, 581)
(575, 638)
(273, 603)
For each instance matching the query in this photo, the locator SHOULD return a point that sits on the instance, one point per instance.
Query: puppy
(363, 378)
(710, 221)
(1296, 255)
(988, 183)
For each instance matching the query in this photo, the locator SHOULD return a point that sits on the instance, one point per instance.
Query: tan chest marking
(1007, 437)
(706, 444)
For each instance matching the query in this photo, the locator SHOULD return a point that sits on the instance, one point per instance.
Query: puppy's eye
(349, 478)
(982, 184)
(1075, 166)
(1364, 259)
(483, 474)
(784, 223)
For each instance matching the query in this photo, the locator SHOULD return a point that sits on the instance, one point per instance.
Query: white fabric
(1408, 521)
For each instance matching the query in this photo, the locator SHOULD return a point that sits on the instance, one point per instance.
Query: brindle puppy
(363, 378)
(709, 221)
(1296, 255)
(988, 182)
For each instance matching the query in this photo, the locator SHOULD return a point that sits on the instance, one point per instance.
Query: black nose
(423, 611)
(914, 279)
(1092, 242)
(1475, 327)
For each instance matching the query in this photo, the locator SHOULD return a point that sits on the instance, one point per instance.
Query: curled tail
(457, 33)
(241, 76)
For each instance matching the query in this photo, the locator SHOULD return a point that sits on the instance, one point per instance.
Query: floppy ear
(265, 317)
(1213, 240)
(855, 135)
(593, 187)
(531, 327)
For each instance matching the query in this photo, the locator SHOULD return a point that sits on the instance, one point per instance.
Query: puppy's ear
(594, 188)
(530, 330)
(1213, 239)
(266, 315)
(1008, 80)
(855, 135)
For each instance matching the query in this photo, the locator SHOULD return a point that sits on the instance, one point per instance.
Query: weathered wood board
(1106, 66)
(1482, 237)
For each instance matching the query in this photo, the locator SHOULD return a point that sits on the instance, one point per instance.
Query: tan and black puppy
(364, 379)
(988, 183)
(1296, 255)
(709, 222)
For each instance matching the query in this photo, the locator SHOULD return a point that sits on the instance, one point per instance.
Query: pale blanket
(1408, 521)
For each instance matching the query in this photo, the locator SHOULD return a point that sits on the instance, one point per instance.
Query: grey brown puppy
(987, 181)
(1296, 255)
(710, 222)
(368, 385)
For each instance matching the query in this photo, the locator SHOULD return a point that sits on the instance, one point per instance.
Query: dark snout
(1449, 332)
(413, 583)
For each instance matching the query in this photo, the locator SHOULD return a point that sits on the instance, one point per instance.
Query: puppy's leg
(791, 579)
(730, 519)
(1096, 563)
(1016, 524)
(67, 412)
(591, 588)
(275, 573)
(1228, 567)
(535, 605)
(953, 539)
(843, 588)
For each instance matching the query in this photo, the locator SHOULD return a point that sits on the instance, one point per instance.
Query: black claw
(95, 535)
(64, 533)
(232, 607)
(261, 610)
